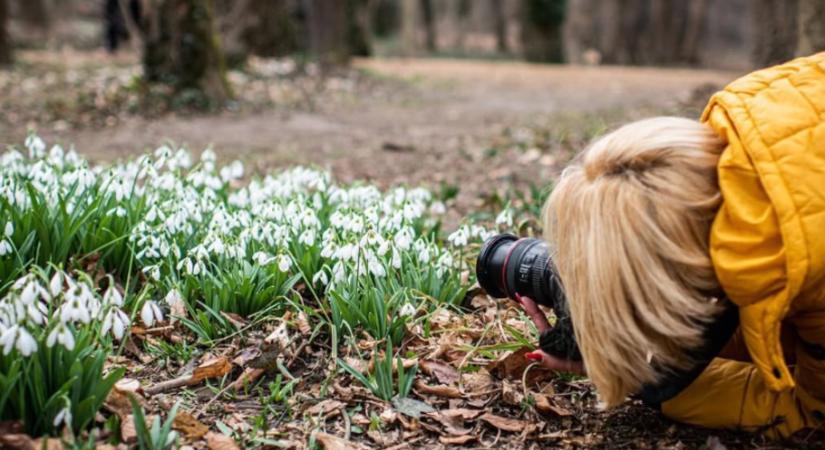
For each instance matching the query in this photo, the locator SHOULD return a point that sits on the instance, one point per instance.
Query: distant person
(115, 27)
(692, 255)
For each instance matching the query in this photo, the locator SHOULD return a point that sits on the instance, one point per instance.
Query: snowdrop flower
(150, 313)
(403, 239)
(173, 299)
(117, 321)
(112, 297)
(407, 310)
(19, 338)
(284, 263)
(320, 278)
(376, 268)
(396, 259)
(63, 335)
(9, 229)
(56, 284)
(505, 217)
(36, 146)
(459, 237)
(64, 417)
(262, 258)
(5, 248)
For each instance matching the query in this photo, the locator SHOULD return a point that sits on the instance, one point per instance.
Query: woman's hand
(546, 360)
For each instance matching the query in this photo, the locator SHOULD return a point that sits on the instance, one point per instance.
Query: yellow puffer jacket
(768, 249)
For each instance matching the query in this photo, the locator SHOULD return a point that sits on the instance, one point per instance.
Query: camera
(508, 265)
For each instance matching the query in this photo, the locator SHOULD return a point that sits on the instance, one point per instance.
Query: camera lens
(508, 265)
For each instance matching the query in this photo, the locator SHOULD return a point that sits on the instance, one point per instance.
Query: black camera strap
(716, 336)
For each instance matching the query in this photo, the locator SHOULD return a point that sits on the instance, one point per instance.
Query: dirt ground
(477, 126)
(436, 122)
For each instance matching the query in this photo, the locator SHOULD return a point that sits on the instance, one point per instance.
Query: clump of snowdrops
(189, 238)
(55, 335)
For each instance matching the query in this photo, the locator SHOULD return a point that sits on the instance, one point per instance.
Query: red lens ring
(504, 267)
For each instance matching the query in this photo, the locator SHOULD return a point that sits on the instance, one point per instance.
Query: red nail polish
(533, 356)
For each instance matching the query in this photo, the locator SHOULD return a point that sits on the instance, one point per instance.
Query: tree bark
(181, 48)
(327, 21)
(5, 43)
(409, 27)
(428, 19)
(500, 25)
(541, 30)
(34, 13)
(811, 22)
(775, 22)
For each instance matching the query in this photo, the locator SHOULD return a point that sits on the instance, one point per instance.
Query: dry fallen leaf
(303, 323)
(439, 390)
(191, 427)
(442, 372)
(128, 432)
(324, 407)
(546, 405)
(213, 368)
(219, 441)
(503, 423)
(330, 442)
(513, 365)
(456, 440)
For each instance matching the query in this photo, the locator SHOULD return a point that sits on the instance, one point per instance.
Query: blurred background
(482, 95)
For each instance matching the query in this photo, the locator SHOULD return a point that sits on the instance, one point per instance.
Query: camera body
(507, 266)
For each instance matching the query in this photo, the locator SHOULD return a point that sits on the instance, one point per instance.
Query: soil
(481, 127)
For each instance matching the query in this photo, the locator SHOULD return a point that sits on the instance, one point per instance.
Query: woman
(665, 226)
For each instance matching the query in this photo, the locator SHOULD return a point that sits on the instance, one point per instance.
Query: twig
(347, 424)
(168, 384)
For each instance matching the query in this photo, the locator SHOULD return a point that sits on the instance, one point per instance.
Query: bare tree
(428, 19)
(409, 27)
(5, 42)
(181, 47)
(34, 13)
(500, 25)
(327, 21)
(776, 36)
(541, 30)
(811, 22)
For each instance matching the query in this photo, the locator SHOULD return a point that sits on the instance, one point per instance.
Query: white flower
(150, 313)
(407, 310)
(173, 299)
(376, 268)
(320, 278)
(117, 321)
(403, 239)
(9, 229)
(307, 238)
(18, 337)
(112, 297)
(56, 284)
(36, 146)
(61, 334)
(505, 218)
(5, 248)
(284, 263)
(396, 259)
(262, 258)
(64, 417)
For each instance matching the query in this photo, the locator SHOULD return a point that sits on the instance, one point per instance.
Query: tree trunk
(359, 29)
(5, 42)
(409, 27)
(328, 25)
(181, 48)
(541, 30)
(500, 25)
(34, 13)
(811, 27)
(775, 22)
(428, 18)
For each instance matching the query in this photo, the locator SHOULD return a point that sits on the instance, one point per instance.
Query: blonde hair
(630, 223)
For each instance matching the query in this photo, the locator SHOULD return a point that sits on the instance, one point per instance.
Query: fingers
(534, 312)
(551, 362)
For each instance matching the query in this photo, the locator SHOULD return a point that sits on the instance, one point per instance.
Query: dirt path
(440, 107)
